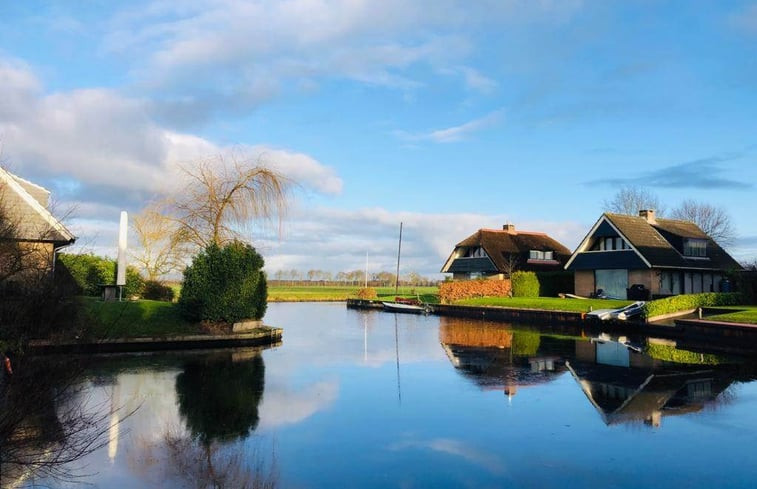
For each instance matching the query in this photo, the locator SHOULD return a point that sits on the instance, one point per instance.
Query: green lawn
(317, 293)
(135, 318)
(548, 303)
(741, 314)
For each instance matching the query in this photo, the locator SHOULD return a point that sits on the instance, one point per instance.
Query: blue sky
(449, 116)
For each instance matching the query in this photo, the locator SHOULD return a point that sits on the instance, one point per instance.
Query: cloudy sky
(445, 115)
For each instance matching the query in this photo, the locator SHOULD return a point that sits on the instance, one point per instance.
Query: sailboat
(404, 305)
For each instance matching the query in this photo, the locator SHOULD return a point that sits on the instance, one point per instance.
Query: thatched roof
(499, 244)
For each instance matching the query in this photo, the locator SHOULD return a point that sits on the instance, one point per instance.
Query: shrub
(525, 284)
(89, 272)
(156, 291)
(686, 302)
(367, 293)
(224, 285)
(456, 291)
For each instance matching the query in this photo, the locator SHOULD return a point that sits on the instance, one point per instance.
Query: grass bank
(131, 319)
(325, 294)
(740, 314)
(546, 303)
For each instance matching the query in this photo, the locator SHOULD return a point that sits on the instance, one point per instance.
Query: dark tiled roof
(650, 241)
(498, 244)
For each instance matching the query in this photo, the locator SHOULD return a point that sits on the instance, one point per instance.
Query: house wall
(584, 282)
(645, 277)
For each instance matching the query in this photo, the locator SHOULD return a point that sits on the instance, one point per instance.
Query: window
(610, 244)
(540, 255)
(477, 252)
(695, 247)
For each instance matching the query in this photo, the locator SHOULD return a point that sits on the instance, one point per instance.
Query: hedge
(90, 271)
(157, 291)
(455, 291)
(686, 302)
(525, 284)
(224, 285)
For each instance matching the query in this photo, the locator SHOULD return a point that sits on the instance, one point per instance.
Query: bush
(525, 284)
(89, 272)
(456, 291)
(224, 285)
(686, 302)
(156, 291)
(367, 293)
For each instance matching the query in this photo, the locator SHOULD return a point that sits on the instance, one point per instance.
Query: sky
(447, 116)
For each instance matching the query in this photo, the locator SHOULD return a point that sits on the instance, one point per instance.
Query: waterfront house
(635, 256)
(495, 253)
(29, 234)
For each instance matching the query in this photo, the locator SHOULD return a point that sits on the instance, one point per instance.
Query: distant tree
(713, 220)
(161, 244)
(630, 200)
(222, 197)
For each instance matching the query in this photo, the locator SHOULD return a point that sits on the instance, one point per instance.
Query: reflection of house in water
(495, 356)
(625, 385)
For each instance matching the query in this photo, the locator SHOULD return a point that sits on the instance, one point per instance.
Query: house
(494, 253)
(29, 234)
(665, 256)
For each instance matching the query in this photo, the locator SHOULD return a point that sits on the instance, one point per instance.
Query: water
(373, 399)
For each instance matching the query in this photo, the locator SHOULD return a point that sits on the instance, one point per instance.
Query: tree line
(352, 277)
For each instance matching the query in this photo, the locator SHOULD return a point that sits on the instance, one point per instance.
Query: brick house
(665, 256)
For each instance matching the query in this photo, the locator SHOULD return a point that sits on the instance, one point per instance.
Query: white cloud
(285, 406)
(337, 240)
(454, 133)
(98, 138)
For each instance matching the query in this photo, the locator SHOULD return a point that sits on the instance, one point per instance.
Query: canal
(369, 399)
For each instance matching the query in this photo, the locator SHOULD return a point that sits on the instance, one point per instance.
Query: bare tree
(630, 200)
(510, 264)
(222, 198)
(713, 220)
(162, 247)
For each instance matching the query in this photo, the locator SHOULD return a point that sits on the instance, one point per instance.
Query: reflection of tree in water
(46, 424)
(219, 396)
(183, 461)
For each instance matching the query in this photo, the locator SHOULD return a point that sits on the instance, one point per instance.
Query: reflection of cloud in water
(282, 406)
(456, 448)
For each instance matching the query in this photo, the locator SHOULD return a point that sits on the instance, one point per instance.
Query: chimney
(648, 214)
(510, 228)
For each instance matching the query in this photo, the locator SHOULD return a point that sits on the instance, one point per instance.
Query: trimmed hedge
(156, 291)
(89, 272)
(454, 291)
(685, 302)
(367, 293)
(525, 284)
(224, 285)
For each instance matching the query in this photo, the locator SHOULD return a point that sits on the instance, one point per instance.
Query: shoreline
(262, 336)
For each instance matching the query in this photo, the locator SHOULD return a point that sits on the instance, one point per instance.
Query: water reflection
(496, 356)
(626, 385)
(625, 382)
(218, 395)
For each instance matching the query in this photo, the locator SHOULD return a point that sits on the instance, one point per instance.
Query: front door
(613, 282)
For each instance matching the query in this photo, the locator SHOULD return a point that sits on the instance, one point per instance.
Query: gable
(32, 220)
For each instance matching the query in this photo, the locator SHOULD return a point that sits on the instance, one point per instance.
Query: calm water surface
(373, 399)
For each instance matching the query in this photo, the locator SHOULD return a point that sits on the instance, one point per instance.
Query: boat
(411, 308)
(623, 313)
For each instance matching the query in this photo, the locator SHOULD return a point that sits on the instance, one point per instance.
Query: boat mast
(399, 250)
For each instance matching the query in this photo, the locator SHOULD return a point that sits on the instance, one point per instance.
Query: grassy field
(316, 293)
(741, 314)
(135, 318)
(548, 303)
